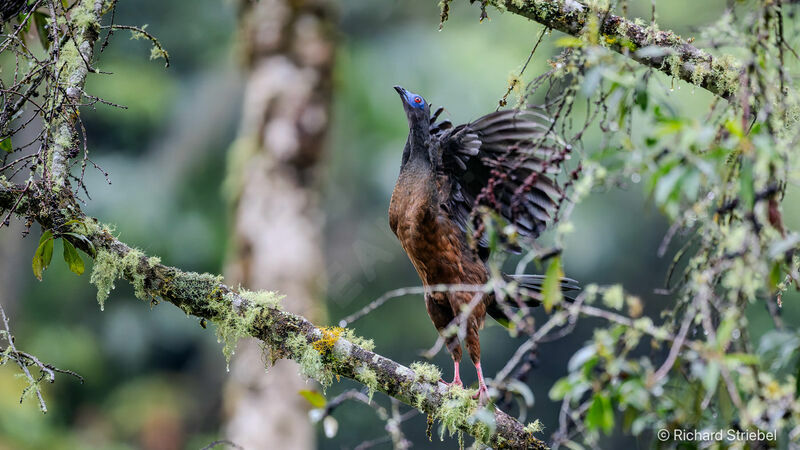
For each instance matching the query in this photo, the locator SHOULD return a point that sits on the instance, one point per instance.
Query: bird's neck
(417, 152)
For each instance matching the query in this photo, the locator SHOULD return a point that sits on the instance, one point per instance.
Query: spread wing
(502, 160)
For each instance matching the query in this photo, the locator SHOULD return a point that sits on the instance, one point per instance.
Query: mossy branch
(661, 50)
(323, 353)
(73, 65)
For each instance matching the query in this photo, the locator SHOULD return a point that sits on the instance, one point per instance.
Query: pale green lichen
(426, 372)
(419, 401)
(83, 16)
(233, 325)
(158, 53)
(366, 344)
(725, 73)
(370, 379)
(268, 299)
(108, 267)
(699, 74)
(309, 359)
(534, 427)
(457, 412)
(673, 64)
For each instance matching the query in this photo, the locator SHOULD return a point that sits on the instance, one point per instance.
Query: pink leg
(456, 377)
(483, 391)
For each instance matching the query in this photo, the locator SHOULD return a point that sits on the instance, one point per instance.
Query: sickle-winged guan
(443, 171)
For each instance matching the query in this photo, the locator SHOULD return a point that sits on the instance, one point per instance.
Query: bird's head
(417, 109)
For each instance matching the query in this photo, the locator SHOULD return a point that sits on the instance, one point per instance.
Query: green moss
(192, 285)
(310, 360)
(425, 372)
(367, 376)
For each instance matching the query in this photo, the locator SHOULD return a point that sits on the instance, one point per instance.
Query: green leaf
(47, 252)
(600, 414)
(43, 254)
(6, 145)
(72, 258)
(551, 287)
(37, 266)
(316, 399)
(92, 252)
(560, 389)
(775, 276)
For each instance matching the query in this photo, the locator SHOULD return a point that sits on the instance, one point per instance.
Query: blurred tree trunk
(277, 222)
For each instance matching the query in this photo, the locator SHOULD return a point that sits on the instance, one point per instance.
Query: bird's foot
(482, 395)
(455, 382)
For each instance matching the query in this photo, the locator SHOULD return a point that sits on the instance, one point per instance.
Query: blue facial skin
(415, 100)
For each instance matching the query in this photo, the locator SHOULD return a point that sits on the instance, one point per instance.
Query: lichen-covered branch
(323, 353)
(660, 49)
(73, 66)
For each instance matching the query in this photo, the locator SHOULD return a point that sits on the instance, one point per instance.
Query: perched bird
(443, 171)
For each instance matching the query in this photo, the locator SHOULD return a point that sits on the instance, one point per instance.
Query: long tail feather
(569, 288)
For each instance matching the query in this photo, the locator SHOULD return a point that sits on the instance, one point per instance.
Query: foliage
(721, 180)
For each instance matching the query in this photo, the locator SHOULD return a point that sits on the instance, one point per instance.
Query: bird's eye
(417, 100)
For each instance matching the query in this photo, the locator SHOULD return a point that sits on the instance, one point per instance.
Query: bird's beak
(402, 92)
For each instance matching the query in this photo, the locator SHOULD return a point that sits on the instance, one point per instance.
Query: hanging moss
(310, 360)
(233, 325)
(367, 376)
(105, 271)
(109, 266)
(456, 411)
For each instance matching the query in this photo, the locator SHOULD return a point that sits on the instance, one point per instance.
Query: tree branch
(286, 335)
(74, 61)
(662, 50)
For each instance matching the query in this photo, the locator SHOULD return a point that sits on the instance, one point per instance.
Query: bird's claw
(455, 382)
(482, 395)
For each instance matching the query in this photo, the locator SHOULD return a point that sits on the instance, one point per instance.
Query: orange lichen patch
(329, 337)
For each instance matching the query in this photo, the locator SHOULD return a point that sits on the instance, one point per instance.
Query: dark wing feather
(516, 148)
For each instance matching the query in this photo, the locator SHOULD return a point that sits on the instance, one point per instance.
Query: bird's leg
(483, 391)
(454, 347)
(456, 376)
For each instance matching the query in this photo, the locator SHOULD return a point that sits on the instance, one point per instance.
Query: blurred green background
(153, 375)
